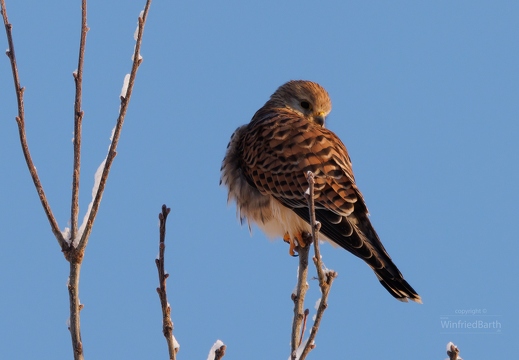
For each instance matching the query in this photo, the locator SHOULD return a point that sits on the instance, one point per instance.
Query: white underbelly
(284, 220)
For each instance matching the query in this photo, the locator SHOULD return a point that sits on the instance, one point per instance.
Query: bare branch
(330, 276)
(167, 324)
(75, 309)
(303, 328)
(299, 296)
(125, 100)
(74, 256)
(316, 226)
(77, 257)
(20, 120)
(325, 277)
(78, 118)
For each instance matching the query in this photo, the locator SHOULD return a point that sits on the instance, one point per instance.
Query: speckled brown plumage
(265, 170)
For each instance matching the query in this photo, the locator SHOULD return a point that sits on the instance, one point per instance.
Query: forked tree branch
(72, 254)
(167, 324)
(20, 120)
(75, 254)
(125, 100)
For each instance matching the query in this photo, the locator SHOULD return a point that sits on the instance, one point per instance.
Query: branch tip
(220, 352)
(167, 324)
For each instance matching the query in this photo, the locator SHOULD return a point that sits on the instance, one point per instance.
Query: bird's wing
(279, 148)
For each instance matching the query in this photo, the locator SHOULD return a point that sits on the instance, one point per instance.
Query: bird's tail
(387, 273)
(397, 286)
(362, 241)
(356, 234)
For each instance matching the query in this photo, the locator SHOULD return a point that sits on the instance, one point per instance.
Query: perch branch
(125, 100)
(299, 296)
(167, 324)
(78, 118)
(20, 120)
(325, 277)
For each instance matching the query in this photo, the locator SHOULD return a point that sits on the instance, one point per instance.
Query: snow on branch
(453, 352)
(217, 351)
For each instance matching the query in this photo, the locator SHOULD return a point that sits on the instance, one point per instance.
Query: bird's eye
(305, 104)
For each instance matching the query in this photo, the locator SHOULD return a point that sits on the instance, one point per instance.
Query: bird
(265, 167)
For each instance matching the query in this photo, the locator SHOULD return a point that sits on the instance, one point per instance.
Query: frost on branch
(97, 181)
(176, 345)
(124, 89)
(66, 235)
(300, 349)
(140, 56)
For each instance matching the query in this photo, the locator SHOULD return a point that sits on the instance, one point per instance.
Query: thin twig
(325, 277)
(299, 296)
(20, 120)
(78, 117)
(330, 276)
(316, 226)
(167, 324)
(125, 100)
(219, 353)
(303, 328)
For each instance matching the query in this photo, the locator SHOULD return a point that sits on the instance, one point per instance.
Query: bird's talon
(291, 242)
(300, 241)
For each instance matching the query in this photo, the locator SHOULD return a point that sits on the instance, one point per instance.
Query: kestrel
(265, 170)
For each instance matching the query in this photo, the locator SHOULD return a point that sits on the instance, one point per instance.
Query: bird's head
(307, 98)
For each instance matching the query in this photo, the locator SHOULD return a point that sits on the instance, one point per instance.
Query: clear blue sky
(425, 97)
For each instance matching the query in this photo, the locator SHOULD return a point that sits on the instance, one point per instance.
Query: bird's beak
(319, 118)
